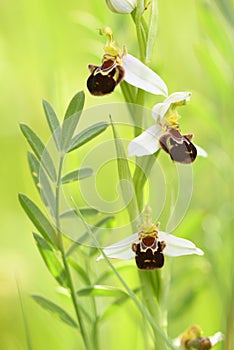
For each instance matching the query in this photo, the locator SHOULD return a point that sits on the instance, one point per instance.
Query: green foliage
(38, 219)
(86, 135)
(101, 291)
(55, 310)
(71, 118)
(75, 175)
(39, 149)
(51, 261)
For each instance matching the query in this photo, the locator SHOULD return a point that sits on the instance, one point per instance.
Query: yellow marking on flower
(39, 185)
(111, 47)
(171, 120)
(34, 174)
(148, 228)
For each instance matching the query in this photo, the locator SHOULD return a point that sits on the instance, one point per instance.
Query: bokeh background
(45, 47)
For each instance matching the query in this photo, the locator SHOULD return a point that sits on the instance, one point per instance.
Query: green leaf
(55, 309)
(51, 261)
(38, 219)
(76, 105)
(76, 175)
(53, 123)
(126, 181)
(40, 150)
(42, 183)
(83, 238)
(84, 211)
(101, 291)
(71, 118)
(81, 272)
(87, 135)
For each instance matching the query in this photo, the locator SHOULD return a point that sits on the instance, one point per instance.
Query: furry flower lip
(149, 245)
(166, 134)
(117, 65)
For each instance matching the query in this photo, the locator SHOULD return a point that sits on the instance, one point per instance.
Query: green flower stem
(94, 335)
(144, 311)
(151, 282)
(64, 259)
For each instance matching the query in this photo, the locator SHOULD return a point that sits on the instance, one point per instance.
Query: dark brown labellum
(179, 146)
(150, 258)
(104, 78)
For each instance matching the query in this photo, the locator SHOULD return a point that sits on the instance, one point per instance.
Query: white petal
(160, 109)
(216, 338)
(143, 77)
(177, 97)
(146, 143)
(200, 151)
(176, 246)
(121, 6)
(122, 249)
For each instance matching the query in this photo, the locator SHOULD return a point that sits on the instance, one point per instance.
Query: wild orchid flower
(117, 66)
(149, 245)
(165, 133)
(192, 338)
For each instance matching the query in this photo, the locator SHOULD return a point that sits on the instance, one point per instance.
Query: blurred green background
(45, 47)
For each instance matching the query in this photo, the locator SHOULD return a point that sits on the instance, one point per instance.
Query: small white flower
(175, 246)
(121, 6)
(166, 118)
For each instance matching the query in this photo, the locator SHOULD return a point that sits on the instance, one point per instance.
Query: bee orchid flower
(149, 245)
(118, 66)
(165, 133)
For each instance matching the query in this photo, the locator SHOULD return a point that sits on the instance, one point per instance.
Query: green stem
(64, 259)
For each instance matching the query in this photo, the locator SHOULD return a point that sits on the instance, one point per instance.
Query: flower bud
(121, 6)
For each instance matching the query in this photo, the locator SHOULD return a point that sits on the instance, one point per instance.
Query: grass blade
(85, 211)
(101, 291)
(125, 177)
